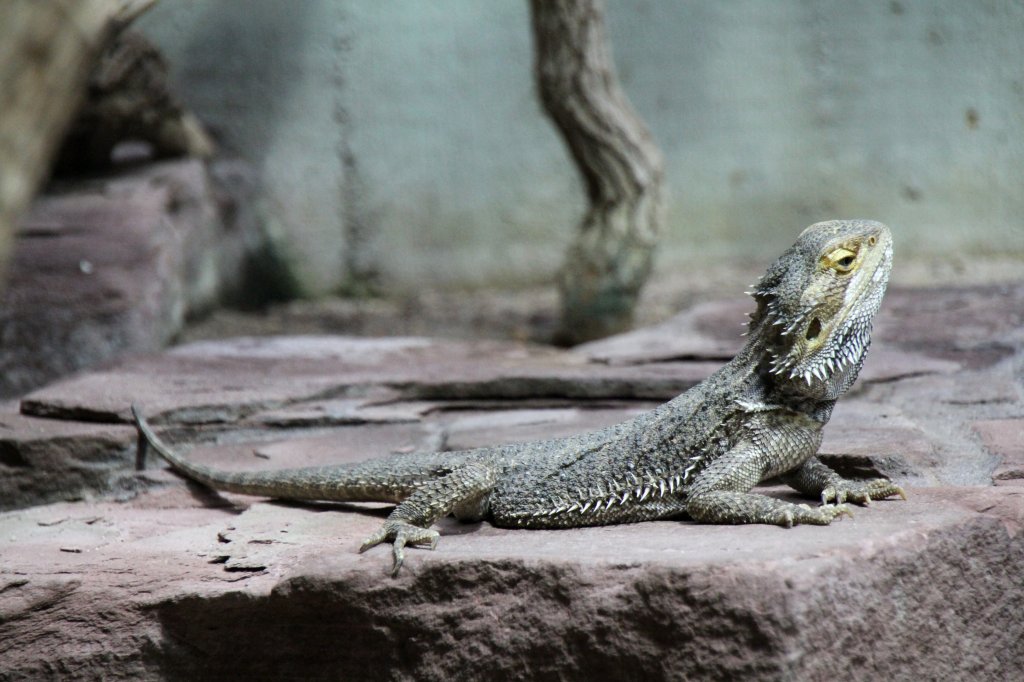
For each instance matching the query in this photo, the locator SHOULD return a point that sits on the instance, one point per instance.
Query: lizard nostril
(813, 329)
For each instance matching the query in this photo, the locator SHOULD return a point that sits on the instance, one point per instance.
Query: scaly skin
(700, 454)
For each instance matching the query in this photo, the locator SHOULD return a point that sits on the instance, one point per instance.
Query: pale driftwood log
(610, 257)
(48, 48)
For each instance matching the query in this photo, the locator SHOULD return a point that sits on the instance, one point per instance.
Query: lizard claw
(817, 516)
(861, 492)
(400, 534)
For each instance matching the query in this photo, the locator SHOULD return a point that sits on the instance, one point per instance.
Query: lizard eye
(841, 260)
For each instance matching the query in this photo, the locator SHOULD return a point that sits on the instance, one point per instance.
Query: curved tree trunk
(47, 51)
(610, 258)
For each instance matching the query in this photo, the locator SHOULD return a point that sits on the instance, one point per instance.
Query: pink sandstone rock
(220, 380)
(174, 585)
(1005, 439)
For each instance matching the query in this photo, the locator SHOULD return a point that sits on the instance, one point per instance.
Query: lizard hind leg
(465, 487)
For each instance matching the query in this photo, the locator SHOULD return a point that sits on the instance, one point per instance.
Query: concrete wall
(405, 136)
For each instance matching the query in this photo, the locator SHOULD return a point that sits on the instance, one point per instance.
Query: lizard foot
(793, 514)
(861, 492)
(401, 534)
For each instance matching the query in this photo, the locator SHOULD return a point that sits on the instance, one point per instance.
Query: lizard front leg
(721, 494)
(815, 478)
(465, 491)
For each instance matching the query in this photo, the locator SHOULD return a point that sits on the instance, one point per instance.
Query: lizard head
(816, 304)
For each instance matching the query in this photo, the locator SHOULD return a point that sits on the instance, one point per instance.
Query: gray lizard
(698, 455)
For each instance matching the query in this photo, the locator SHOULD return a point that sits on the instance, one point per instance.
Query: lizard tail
(148, 439)
(141, 442)
(313, 483)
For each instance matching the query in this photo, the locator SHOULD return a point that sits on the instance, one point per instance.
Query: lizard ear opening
(813, 329)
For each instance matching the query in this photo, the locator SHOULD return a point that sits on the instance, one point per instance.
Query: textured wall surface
(406, 137)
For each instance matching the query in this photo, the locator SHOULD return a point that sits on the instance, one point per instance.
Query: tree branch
(610, 258)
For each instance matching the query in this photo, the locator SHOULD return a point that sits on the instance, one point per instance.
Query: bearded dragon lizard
(698, 455)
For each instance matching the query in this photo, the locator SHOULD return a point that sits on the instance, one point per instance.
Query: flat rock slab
(709, 331)
(218, 381)
(169, 585)
(43, 460)
(952, 321)
(1005, 438)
